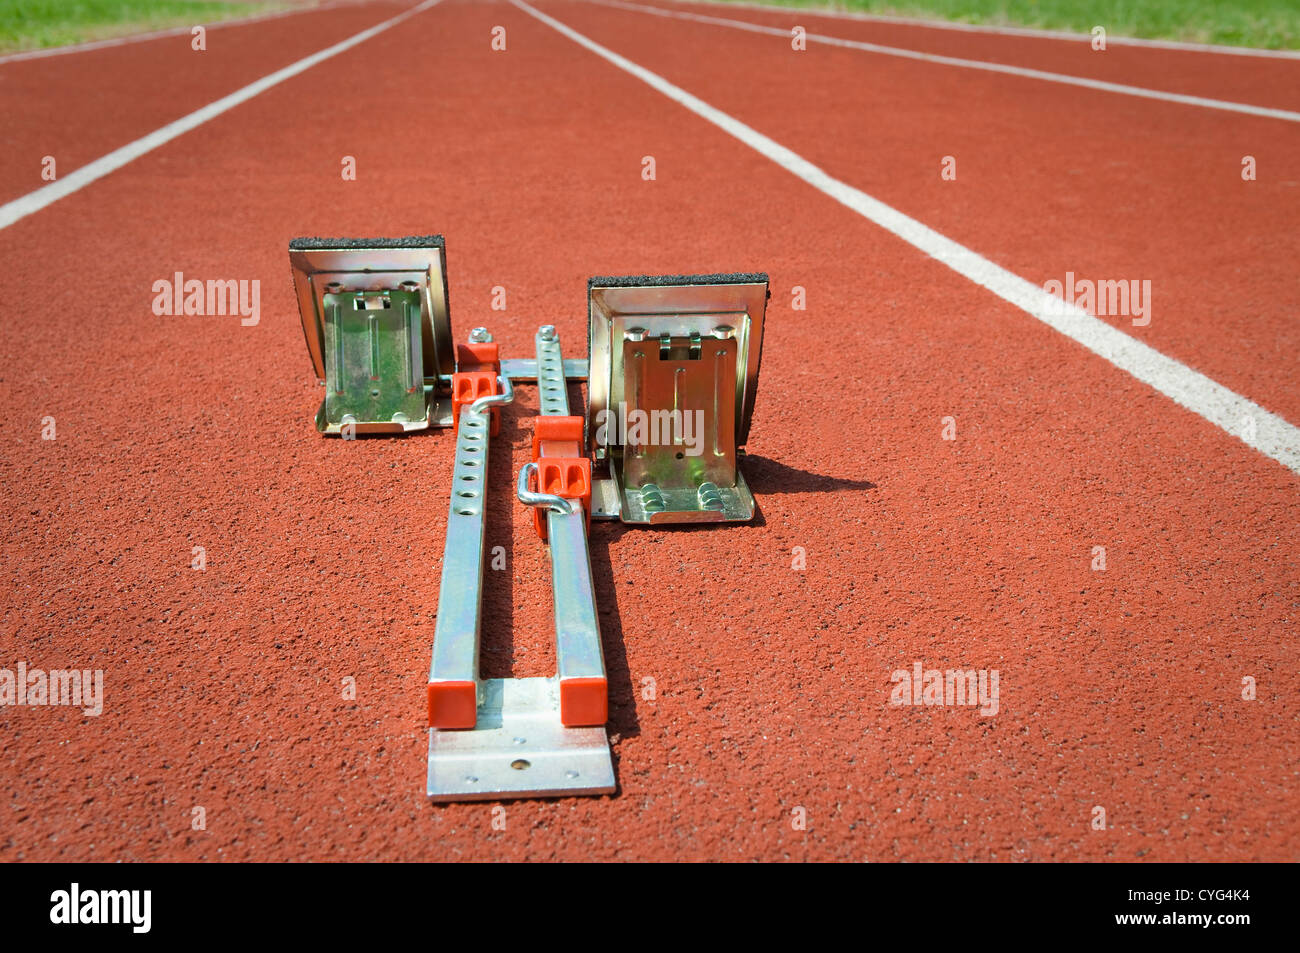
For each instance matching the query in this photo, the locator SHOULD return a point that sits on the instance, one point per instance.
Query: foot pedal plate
(374, 314)
(673, 371)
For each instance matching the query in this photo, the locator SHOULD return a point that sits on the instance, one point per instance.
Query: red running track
(79, 106)
(1119, 689)
(1257, 81)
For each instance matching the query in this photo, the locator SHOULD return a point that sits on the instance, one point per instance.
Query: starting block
(671, 373)
(674, 367)
(375, 316)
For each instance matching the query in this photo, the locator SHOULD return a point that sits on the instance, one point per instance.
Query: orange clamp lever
(477, 367)
(562, 468)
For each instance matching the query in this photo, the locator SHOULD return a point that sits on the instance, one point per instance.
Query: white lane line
(156, 34)
(78, 179)
(985, 65)
(1239, 417)
(1002, 30)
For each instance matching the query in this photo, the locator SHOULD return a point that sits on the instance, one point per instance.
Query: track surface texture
(1120, 688)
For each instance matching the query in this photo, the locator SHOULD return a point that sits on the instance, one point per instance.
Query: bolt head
(546, 332)
(479, 336)
(723, 331)
(634, 334)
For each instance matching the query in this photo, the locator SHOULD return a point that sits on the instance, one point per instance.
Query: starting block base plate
(518, 749)
(735, 504)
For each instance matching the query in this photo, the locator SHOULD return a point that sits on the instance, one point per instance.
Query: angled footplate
(674, 368)
(374, 313)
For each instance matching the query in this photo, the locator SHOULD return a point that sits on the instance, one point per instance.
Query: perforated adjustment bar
(563, 508)
(454, 691)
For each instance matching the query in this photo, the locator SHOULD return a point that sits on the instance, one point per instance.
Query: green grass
(33, 24)
(1270, 24)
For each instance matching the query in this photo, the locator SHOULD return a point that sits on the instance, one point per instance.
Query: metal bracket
(524, 370)
(518, 748)
(673, 372)
(374, 313)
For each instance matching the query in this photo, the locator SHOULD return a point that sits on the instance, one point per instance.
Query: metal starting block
(671, 373)
(674, 368)
(374, 313)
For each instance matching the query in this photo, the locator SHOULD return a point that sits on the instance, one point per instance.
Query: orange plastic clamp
(557, 437)
(453, 704)
(583, 702)
(481, 356)
(562, 468)
(469, 386)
